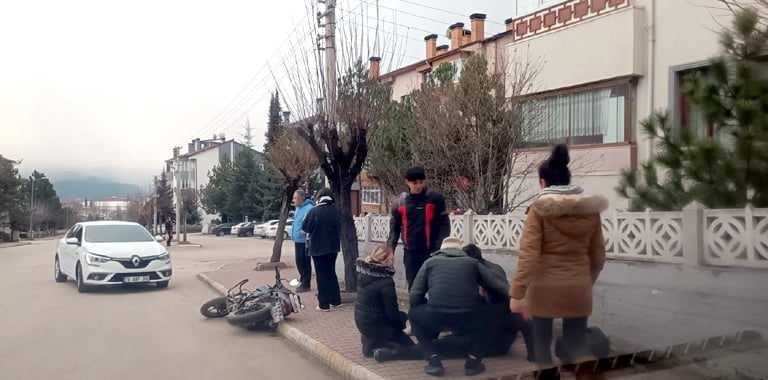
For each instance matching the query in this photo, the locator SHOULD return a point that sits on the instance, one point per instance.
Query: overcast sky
(107, 88)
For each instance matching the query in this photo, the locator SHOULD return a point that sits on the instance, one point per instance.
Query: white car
(111, 253)
(261, 229)
(272, 230)
(236, 227)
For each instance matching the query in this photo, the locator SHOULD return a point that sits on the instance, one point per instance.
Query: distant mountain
(93, 188)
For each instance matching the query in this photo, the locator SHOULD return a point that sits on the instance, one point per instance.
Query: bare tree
(294, 161)
(338, 132)
(760, 6)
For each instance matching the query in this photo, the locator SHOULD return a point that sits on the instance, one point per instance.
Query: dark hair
(474, 252)
(324, 192)
(554, 171)
(415, 173)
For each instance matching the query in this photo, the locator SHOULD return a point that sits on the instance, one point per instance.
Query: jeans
(304, 265)
(574, 338)
(413, 261)
(328, 292)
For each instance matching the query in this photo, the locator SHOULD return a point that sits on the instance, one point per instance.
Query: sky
(108, 88)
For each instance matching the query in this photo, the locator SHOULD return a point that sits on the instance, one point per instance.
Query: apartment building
(605, 66)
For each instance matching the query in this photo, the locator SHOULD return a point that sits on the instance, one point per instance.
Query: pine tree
(248, 134)
(274, 121)
(165, 209)
(730, 168)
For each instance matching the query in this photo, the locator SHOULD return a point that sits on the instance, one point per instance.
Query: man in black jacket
(452, 280)
(323, 225)
(420, 217)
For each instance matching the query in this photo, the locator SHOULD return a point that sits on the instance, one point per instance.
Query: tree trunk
(277, 249)
(185, 231)
(349, 243)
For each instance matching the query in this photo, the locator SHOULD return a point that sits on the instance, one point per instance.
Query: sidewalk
(333, 338)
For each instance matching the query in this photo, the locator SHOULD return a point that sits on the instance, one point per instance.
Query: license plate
(133, 279)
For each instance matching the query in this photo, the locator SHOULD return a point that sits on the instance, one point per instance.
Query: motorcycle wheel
(215, 308)
(261, 313)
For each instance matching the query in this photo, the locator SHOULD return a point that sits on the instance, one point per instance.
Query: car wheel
(285, 236)
(250, 234)
(220, 233)
(81, 286)
(162, 284)
(57, 274)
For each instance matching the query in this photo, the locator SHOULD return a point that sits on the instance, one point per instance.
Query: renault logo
(136, 261)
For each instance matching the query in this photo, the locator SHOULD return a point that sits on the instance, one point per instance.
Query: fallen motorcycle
(265, 306)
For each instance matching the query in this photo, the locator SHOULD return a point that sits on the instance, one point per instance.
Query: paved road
(49, 331)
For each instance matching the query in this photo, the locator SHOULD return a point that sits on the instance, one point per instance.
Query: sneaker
(337, 306)
(318, 308)
(434, 366)
(473, 367)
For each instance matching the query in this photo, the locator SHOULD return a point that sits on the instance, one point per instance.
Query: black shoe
(384, 354)
(434, 366)
(473, 367)
(303, 289)
(369, 354)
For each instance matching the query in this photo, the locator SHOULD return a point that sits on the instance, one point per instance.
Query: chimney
(455, 31)
(197, 144)
(191, 147)
(286, 117)
(222, 137)
(478, 26)
(373, 70)
(176, 151)
(466, 37)
(442, 49)
(510, 23)
(431, 42)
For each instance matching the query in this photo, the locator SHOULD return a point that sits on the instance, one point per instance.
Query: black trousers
(574, 338)
(304, 265)
(427, 326)
(397, 340)
(413, 260)
(328, 292)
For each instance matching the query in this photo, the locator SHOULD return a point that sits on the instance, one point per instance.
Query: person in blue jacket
(303, 260)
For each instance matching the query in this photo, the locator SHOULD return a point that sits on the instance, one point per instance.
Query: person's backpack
(598, 343)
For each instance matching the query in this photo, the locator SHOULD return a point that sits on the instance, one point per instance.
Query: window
(371, 195)
(688, 115)
(580, 116)
(525, 7)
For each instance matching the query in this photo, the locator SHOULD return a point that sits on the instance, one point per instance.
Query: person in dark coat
(169, 232)
(377, 315)
(323, 225)
(452, 280)
(419, 217)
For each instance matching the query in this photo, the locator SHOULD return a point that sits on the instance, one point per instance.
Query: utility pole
(154, 208)
(31, 210)
(178, 199)
(330, 60)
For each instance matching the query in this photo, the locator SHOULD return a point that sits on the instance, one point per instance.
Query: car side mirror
(158, 238)
(73, 241)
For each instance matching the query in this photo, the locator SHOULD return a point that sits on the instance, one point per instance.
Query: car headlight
(165, 256)
(93, 258)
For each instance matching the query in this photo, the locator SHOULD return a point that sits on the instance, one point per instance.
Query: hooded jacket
(376, 310)
(298, 220)
(421, 220)
(561, 254)
(323, 224)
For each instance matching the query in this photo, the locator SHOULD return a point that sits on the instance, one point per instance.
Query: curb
(346, 368)
(16, 245)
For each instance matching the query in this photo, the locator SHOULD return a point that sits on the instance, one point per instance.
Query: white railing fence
(695, 236)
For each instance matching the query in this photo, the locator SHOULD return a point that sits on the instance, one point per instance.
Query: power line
(412, 14)
(444, 10)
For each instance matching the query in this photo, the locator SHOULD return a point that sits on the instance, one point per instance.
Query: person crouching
(377, 315)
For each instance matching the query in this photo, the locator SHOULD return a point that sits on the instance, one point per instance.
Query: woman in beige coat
(561, 254)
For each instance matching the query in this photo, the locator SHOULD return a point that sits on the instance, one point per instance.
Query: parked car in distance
(222, 229)
(272, 230)
(236, 227)
(244, 229)
(111, 253)
(261, 229)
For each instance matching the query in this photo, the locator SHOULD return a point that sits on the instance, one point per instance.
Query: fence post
(692, 237)
(368, 228)
(469, 227)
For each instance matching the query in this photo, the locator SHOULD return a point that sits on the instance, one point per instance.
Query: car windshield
(117, 234)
